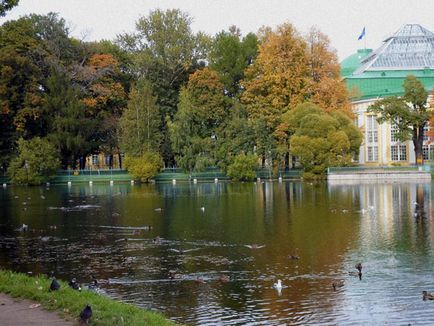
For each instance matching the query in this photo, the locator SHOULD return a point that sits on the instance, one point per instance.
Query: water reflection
(210, 253)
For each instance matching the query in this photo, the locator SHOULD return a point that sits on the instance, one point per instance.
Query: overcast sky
(341, 20)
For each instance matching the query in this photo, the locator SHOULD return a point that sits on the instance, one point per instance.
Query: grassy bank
(69, 303)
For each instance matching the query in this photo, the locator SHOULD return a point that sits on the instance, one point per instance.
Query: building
(372, 75)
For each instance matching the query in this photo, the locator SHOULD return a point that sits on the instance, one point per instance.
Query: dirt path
(19, 312)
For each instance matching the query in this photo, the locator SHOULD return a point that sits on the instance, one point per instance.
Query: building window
(95, 159)
(398, 152)
(372, 153)
(425, 152)
(426, 132)
(371, 129)
(394, 132)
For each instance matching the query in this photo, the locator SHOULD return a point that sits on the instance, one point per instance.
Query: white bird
(278, 285)
(415, 203)
(202, 209)
(159, 209)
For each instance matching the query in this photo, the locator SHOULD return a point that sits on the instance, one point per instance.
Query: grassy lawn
(69, 303)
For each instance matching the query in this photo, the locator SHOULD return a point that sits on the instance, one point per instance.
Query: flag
(362, 34)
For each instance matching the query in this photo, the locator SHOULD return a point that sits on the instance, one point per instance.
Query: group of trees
(166, 96)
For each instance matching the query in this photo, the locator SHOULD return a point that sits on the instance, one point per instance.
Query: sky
(341, 20)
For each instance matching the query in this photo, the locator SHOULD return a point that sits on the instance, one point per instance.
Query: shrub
(243, 167)
(144, 167)
(37, 162)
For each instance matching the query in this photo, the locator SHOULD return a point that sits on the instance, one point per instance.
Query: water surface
(228, 243)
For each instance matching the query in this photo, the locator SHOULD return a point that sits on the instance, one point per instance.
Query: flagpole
(364, 40)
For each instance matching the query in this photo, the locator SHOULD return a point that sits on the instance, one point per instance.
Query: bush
(243, 167)
(144, 167)
(37, 162)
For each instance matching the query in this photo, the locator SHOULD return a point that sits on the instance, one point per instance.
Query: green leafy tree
(243, 167)
(37, 162)
(140, 122)
(236, 136)
(320, 139)
(165, 51)
(230, 55)
(145, 166)
(6, 5)
(71, 129)
(197, 124)
(409, 113)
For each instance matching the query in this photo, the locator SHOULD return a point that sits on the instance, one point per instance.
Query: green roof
(351, 63)
(381, 73)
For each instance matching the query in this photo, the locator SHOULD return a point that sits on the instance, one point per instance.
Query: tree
(325, 86)
(6, 5)
(37, 162)
(165, 51)
(196, 126)
(230, 55)
(140, 122)
(277, 80)
(320, 139)
(408, 113)
(145, 166)
(71, 129)
(244, 167)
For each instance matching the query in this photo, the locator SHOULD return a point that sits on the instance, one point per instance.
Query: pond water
(226, 244)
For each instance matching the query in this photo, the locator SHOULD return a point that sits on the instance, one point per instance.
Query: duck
(359, 267)
(255, 246)
(224, 278)
(200, 280)
(295, 257)
(54, 286)
(74, 285)
(85, 315)
(156, 240)
(338, 284)
(427, 295)
(174, 275)
(359, 274)
(278, 285)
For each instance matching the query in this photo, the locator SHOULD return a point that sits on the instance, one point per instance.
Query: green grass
(69, 303)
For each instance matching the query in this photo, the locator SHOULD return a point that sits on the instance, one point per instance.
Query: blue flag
(362, 34)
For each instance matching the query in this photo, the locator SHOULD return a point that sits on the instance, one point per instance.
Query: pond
(210, 253)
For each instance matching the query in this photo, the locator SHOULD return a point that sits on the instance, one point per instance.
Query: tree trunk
(418, 132)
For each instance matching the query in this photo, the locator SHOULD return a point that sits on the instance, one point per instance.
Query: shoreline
(67, 303)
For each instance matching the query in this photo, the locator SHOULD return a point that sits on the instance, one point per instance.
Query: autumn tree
(409, 113)
(325, 86)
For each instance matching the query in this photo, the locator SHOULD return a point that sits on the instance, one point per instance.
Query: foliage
(230, 55)
(277, 79)
(196, 126)
(140, 122)
(165, 51)
(6, 5)
(320, 139)
(70, 303)
(408, 113)
(243, 168)
(144, 167)
(325, 87)
(36, 163)
(71, 130)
